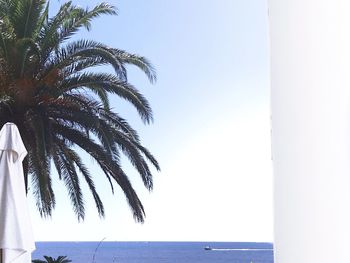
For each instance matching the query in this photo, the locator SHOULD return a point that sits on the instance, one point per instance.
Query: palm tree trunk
(310, 98)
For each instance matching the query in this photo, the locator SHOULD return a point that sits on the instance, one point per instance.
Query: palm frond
(39, 163)
(117, 122)
(110, 83)
(141, 62)
(87, 120)
(24, 16)
(49, 88)
(65, 164)
(74, 157)
(28, 51)
(43, 19)
(68, 21)
(108, 165)
(87, 51)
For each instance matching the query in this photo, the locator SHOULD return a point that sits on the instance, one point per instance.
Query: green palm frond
(28, 54)
(23, 16)
(68, 21)
(138, 61)
(87, 51)
(85, 172)
(39, 163)
(111, 84)
(59, 259)
(109, 165)
(49, 88)
(64, 162)
(43, 19)
(5, 43)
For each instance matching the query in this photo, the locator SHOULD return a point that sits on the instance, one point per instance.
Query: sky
(211, 133)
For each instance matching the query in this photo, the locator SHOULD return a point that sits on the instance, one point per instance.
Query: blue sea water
(157, 252)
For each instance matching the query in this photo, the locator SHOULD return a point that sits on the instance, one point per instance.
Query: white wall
(310, 68)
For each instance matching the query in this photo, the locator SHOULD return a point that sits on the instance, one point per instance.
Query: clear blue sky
(211, 132)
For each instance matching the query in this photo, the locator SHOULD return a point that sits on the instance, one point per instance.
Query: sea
(157, 252)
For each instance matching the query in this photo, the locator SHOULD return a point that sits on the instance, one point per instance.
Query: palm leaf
(110, 166)
(64, 163)
(49, 89)
(108, 82)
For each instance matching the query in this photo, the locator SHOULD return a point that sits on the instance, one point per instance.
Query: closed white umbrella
(16, 236)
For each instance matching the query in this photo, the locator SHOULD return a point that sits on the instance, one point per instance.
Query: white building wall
(310, 100)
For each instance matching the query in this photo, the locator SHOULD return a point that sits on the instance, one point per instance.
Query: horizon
(159, 241)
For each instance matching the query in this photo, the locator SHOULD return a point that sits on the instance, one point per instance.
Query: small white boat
(207, 248)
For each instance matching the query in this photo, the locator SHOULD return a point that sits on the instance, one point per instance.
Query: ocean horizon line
(151, 241)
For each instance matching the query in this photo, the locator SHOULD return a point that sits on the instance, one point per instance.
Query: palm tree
(49, 89)
(59, 259)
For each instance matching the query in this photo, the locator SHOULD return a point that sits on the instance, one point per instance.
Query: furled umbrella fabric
(16, 236)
